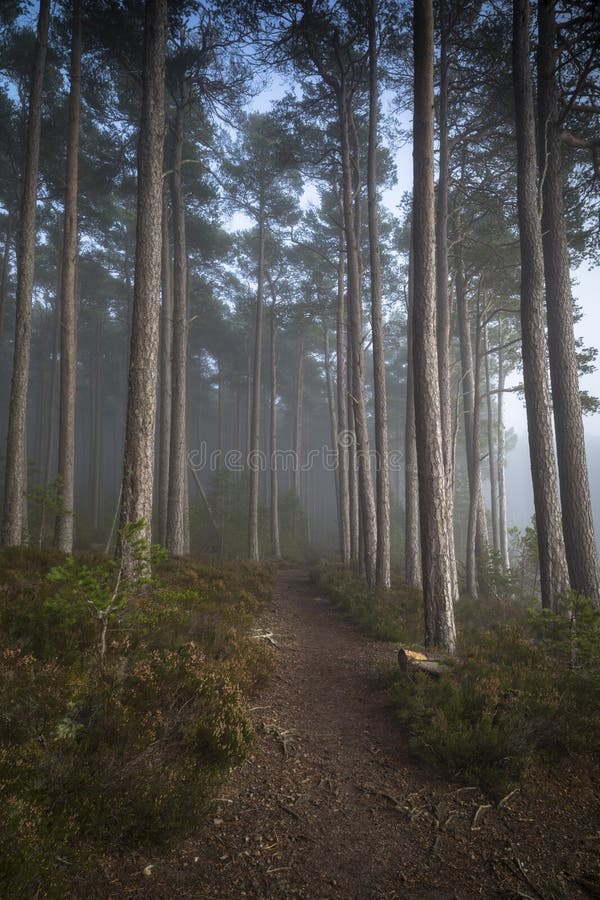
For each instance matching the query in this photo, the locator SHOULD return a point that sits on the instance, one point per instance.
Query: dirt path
(328, 805)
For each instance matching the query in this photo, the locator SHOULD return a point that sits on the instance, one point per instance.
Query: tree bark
(166, 374)
(554, 578)
(177, 508)
(63, 534)
(275, 539)
(441, 254)
(576, 506)
(440, 588)
(253, 460)
(492, 458)
(412, 545)
(368, 516)
(341, 446)
(468, 395)
(298, 424)
(138, 461)
(502, 460)
(382, 573)
(16, 461)
(333, 418)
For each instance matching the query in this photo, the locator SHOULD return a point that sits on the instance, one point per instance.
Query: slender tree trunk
(333, 418)
(382, 574)
(298, 425)
(275, 540)
(341, 445)
(4, 274)
(177, 509)
(440, 588)
(140, 429)
(412, 545)
(352, 463)
(166, 375)
(492, 458)
(97, 441)
(468, 396)
(441, 253)
(502, 460)
(554, 578)
(368, 516)
(475, 487)
(63, 534)
(253, 461)
(576, 506)
(16, 460)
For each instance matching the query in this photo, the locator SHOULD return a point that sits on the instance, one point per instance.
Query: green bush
(100, 755)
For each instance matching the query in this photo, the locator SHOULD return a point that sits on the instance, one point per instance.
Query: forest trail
(329, 806)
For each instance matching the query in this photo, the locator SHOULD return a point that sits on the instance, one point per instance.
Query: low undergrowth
(524, 690)
(100, 754)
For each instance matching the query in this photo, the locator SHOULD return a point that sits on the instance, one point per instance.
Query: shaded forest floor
(328, 804)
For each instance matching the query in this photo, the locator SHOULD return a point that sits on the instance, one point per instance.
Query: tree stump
(417, 661)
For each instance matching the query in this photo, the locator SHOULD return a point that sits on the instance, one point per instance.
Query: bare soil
(329, 805)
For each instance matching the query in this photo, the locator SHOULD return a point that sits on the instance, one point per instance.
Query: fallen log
(417, 661)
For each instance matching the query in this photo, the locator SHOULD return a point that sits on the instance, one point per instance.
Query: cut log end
(416, 661)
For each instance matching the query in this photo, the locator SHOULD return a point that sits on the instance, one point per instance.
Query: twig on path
(290, 811)
(266, 636)
(524, 874)
(480, 810)
(505, 800)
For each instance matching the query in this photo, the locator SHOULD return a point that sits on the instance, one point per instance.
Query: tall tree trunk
(475, 487)
(298, 424)
(177, 509)
(4, 274)
(341, 445)
(140, 433)
(468, 395)
(554, 577)
(440, 588)
(412, 545)
(275, 540)
(333, 418)
(502, 524)
(441, 254)
(576, 506)
(382, 574)
(63, 534)
(96, 430)
(368, 516)
(353, 500)
(166, 374)
(492, 458)
(16, 460)
(253, 460)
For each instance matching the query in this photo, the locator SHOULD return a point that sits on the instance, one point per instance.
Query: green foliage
(525, 690)
(96, 759)
(393, 615)
(45, 503)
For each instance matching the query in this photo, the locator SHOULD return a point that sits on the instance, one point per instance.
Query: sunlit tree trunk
(554, 577)
(352, 462)
(440, 588)
(576, 506)
(138, 461)
(382, 575)
(16, 460)
(298, 424)
(177, 509)
(63, 535)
